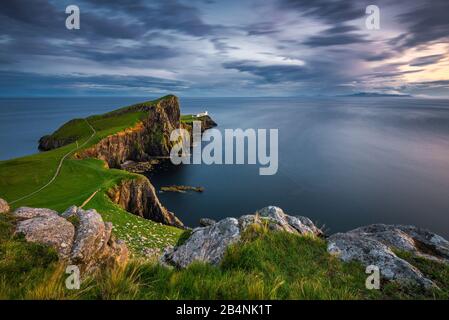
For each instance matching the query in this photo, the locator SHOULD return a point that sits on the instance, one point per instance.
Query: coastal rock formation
(375, 245)
(134, 149)
(139, 167)
(138, 196)
(4, 207)
(150, 137)
(47, 227)
(209, 243)
(206, 123)
(79, 237)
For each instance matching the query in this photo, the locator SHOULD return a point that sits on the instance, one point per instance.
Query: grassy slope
(79, 179)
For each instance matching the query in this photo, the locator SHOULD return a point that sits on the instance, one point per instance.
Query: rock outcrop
(4, 207)
(79, 237)
(138, 196)
(375, 245)
(205, 222)
(47, 227)
(150, 137)
(133, 149)
(206, 123)
(209, 243)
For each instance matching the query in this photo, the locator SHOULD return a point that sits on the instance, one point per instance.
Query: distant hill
(375, 95)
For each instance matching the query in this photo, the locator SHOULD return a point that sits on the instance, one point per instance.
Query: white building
(202, 114)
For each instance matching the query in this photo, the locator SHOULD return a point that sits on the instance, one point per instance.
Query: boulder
(205, 222)
(47, 227)
(4, 207)
(70, 212)
(206, 244)
(278, 220)
(91, 239)
(89, 243)
(375, 245)
(209, 243)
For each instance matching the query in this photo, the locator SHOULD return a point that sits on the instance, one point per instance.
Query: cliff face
(150, 137)
(139, 197)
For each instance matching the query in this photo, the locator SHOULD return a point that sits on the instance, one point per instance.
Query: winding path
(58, 169)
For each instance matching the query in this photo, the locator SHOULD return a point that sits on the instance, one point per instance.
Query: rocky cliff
(150, 137)
(139, 197)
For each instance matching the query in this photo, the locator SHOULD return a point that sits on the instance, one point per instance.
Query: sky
(200, 48)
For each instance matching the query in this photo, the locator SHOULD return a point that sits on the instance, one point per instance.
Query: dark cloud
(339, 34)
(220, 43)
(427, 60)
(380, 56)
(11, 81)
(427, 21)
(179, 37)
(330, 11)
(159, 15)
(277, 74)
(262, 28)
(334, 40)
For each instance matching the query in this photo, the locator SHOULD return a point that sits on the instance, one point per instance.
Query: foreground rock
(205, 222)
(209, 243)
(47, 227)
(375, 245)
(4, 207)
(86, 242)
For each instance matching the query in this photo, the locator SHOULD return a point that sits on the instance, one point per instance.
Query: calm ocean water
(343, 162)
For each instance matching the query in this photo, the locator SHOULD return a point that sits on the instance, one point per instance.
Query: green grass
(106, 124)
(265, 265)
(79, 179)
(189, 118)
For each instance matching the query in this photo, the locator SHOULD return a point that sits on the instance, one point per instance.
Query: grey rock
(4, 207)
(205, 222)
(412, 239)
(23, 213)
(278, 220)
(47, 227)
(209, 243)
(206, 244)
(70, 212)
(91, 239)
(374, 244)
(90, 245)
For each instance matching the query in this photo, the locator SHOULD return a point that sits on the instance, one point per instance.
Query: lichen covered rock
(375, 245)
(209, 243)
(47, 227)
(87, 242)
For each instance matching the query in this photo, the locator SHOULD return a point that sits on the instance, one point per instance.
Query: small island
(181, 189)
